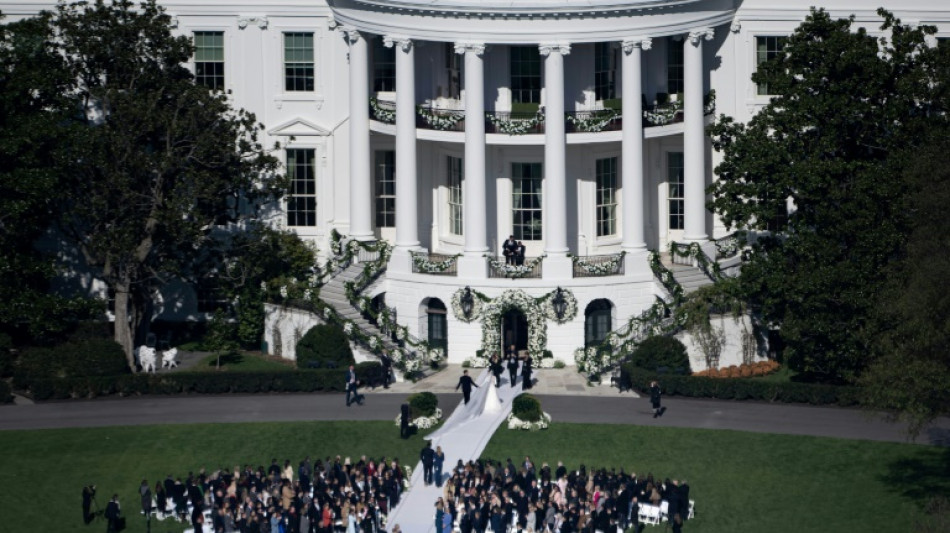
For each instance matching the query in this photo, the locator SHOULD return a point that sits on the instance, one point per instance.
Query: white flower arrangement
(516, 126)
(547, 362)
(374, 342)
(382, 114)
(263, 285)
(348, 328)
(514, 271)
(595, 121)
(477, 362)
(422, 263)
(327, 313)
(663, 115)
(283, 291)
(514, 299)
(441, 120)
(436, 354)
(516, 423)
(605, 268)
(307, 295)
(422, 422)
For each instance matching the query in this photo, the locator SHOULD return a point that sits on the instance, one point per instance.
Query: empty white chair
(664, 510)
(692, 504)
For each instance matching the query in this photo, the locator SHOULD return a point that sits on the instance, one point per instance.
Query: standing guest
(428, 458)
(437, 463)
(519, 253)
(112, 514)
(145, 492)
(88, 493)
(387, 368)
(439, 514)
(496, 368)
(404, 421)
(447, 522)
(655, 398)
(466, 383)
(526, 373)
(350, 385)
(512, 364)
(161, 499)
(508, 249)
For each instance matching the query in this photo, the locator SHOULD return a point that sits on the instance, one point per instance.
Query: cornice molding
(463, 47)
(260, 20)
(643, 43)
(547, 49)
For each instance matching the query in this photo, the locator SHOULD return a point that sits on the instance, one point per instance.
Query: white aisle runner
(462, 436)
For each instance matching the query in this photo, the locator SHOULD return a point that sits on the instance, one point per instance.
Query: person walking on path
(512, 364)
(526, 373)
(404, 421)
(428, 458)
(655, 398)
(437, 464)
(350, 385)
(466, 383)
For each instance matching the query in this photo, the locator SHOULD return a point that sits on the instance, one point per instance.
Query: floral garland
(694, 251)
(423, 422)
(570, 310)
(729, 245)
(514, 271)
(600, 268)
(421, 261)
(440, 120)
(663, 115)
(477, 299)
(516, 126)
(516, 423)
(594, 122)
(382, 114)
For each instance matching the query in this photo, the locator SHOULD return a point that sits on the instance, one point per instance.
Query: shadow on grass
(921, 478)
(227, 359)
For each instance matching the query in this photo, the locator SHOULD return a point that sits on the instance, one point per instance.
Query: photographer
(88, 495)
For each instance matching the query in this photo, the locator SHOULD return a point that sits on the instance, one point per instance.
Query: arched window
(438, 327)
(597, 321)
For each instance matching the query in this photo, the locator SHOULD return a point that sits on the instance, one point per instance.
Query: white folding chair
(650, 514)
(664, 510)
(692, 504)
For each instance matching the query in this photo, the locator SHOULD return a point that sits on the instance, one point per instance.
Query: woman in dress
(655, 398)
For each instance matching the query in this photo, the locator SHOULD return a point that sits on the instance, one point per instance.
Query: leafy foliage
(423, 404)
(661, 351)
(831, 143)
(86, 357)
(324, 346)
(526, 407)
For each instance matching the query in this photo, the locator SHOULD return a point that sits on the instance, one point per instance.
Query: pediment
(299, 128)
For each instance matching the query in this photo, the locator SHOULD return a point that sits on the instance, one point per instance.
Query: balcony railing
(436, 264)
(595, 266)
(529, 268)
(514, 123)
(593, 121)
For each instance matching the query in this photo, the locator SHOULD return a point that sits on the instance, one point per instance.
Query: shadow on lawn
(921, 478)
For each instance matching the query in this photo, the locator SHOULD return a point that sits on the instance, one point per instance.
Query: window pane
(767, 48)
(298, 62)
(606, 207)
(676, 189)
(385, 188)
(209, 59)
(384, 67)
(674, 66)
(302, 202)
(526, 201)
(455, 178)
(525, 74)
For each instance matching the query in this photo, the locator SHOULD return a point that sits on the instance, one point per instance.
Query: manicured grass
(244, 362)
(782, 375)
(755, 482)
(741, 481)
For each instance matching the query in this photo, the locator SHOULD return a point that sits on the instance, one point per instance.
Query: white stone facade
(459, 56)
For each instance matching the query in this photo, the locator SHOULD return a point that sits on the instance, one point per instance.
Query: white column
(407, 230)
(474, 205)
(632, 144)
(361, 195)
(555, 161)
(694, 137)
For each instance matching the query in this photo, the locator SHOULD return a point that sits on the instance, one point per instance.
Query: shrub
(370, 373)
(526, 407)
(423, 404)
(659, 352)
(324, 346)
(80, 358)
(5, 396)
(6, 355)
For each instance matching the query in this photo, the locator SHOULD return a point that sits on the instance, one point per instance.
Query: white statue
(168, 358)
(146, 357)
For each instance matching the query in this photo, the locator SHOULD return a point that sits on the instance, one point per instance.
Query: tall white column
(632, 144)
(361, 195)
(555, 161)
(407, 230)
(694, 137)
(474, 205)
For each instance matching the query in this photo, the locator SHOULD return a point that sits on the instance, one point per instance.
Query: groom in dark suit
(466, 383)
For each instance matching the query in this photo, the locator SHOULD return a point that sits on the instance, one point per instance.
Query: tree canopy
(848, 111)
(150, 169)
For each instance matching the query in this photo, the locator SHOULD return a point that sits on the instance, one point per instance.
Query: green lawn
(245, 362)
(741, 481)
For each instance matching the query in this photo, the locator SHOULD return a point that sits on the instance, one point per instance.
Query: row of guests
(504, 497)
(314, 497)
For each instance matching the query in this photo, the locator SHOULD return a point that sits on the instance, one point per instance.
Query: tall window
(525, 74)
(606, 196)
(456, 172)
(385, 189)
(453, 67)
(597, 322)
(765, 49)
(605, 71)
(298, 61)
(526, 201)
(209, 59)
(384, 67)
(674, 66)
(676, 193)
(302, 201)
(438, 325)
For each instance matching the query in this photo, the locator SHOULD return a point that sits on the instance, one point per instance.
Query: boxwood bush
(5, 396)
(83, 357)
(741, 388)
(661, 352)
(526, 407)
(423, 404)
(324, 346)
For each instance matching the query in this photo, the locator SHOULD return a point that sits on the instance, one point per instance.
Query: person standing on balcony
(509, 248)
(519, 253)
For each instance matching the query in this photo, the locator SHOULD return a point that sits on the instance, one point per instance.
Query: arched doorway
(598, 321)
(437, 325)
(514, 330)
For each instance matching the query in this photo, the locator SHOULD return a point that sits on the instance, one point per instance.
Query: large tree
(159, 165)
(832, 141)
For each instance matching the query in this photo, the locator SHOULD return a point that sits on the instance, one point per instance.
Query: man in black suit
(88, 493)
(112, 514)
(519, 253)
(428, 457)
(509, 248)
(526, 373)
(350, 385)
(466, 383)
(387, 368)
(512, 364)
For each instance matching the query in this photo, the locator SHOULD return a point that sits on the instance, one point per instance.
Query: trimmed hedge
(189, 383)
(741, 388)
(526, 407)
(324, 346)
(5, 396)
(423, 404)
(84, 357)
(661, 352)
